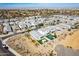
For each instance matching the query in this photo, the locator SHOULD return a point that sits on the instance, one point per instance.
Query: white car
(4, 46)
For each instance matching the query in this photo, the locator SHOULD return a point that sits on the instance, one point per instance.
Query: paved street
(63, 51)
(4, 52)
(4, 37)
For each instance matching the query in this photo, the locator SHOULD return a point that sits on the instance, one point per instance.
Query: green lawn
(42, 38)
(40, 41)
(51, 37)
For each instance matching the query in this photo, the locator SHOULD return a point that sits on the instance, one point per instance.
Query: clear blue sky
(39, 5)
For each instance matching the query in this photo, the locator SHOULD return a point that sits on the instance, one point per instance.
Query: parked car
(4, 46)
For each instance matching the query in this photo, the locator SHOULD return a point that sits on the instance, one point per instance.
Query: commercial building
(7, 28)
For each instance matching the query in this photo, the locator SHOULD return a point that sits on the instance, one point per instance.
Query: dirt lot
(28, 46)
(71, 40)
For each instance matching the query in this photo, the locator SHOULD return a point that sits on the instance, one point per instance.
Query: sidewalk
(10, 49)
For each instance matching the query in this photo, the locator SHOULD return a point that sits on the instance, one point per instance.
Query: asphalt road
(4, 52)
(63, 51)
(13, 35)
